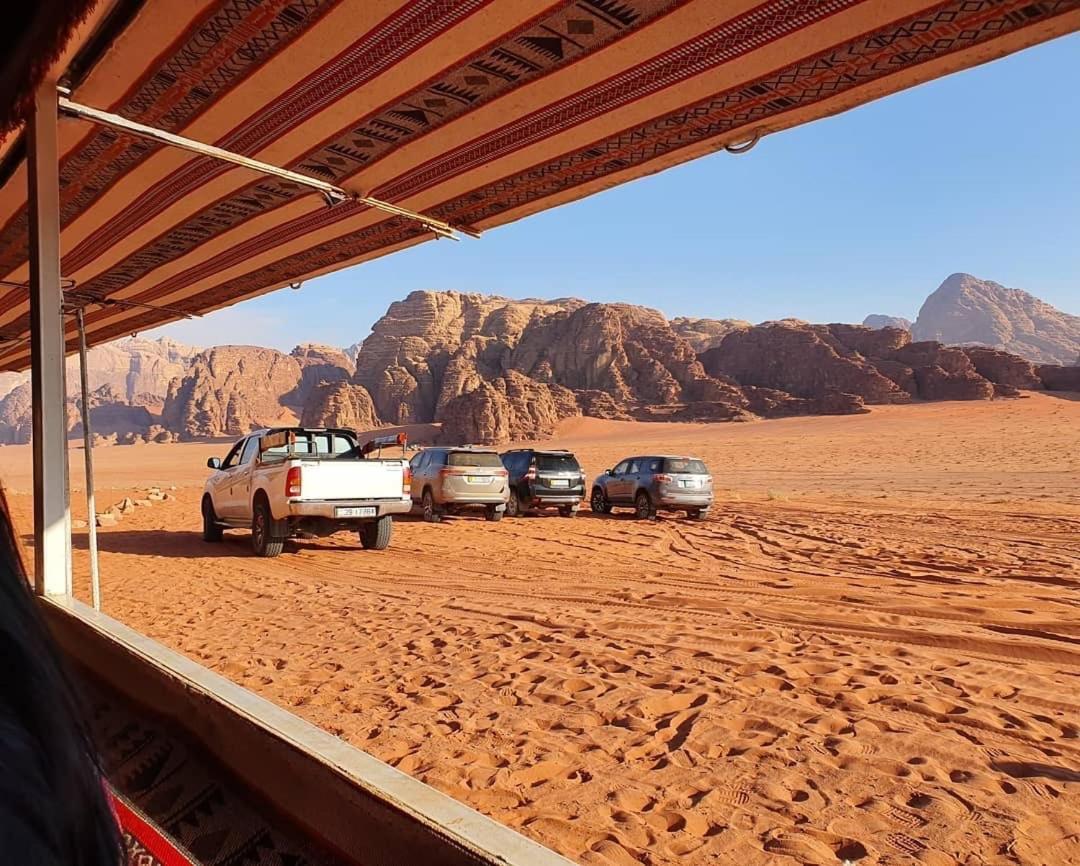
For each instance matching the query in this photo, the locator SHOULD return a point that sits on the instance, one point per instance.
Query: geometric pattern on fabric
(174, 800)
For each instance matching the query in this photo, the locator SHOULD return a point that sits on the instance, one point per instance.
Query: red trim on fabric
(152, 839)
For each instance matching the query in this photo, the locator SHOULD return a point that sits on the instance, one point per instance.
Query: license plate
(478, 479)
(560, 482)
(356, 511)
(689, 483)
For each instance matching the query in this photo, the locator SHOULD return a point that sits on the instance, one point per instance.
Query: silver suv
(451, 480)
(649, 484)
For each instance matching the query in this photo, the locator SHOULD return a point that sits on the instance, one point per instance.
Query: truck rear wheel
(266, 538)
(376, 535)
(212, 531)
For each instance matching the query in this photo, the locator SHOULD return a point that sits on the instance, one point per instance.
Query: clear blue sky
(866, 212)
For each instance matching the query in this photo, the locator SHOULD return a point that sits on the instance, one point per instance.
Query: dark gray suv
(543, 479)
(649, 484)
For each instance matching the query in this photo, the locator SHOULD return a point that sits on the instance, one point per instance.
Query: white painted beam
(52, 514)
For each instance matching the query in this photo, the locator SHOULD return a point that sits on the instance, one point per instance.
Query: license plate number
(355, 511)
(689, 483)
(477, 479)
(560, 482)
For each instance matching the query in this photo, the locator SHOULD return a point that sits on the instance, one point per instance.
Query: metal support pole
(88, 457)
(52, 514)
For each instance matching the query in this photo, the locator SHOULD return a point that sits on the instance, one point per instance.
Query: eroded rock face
(965, 310)
(703, 334)
(319, 365)
(232, 390)
(1058, 378)
(340, 404)
(491, 369)
(15, 418)
(511, 407)
(806, 361)
(629, 352)
(1001, 368)
(403, 362)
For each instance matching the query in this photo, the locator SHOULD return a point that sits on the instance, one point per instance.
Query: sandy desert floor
(870, 652)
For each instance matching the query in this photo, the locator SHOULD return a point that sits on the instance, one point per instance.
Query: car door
(218, 483)
(417, 464)
(236, 500)
(619, 483)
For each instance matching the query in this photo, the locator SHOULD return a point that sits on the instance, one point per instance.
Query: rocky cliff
(703, 334)
(967, 310)
(403, 362)
(231, 390)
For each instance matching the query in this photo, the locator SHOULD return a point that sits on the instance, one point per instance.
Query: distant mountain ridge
(967, 310)
(489, 369)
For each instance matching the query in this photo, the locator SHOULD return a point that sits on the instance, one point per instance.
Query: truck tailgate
(323, 480)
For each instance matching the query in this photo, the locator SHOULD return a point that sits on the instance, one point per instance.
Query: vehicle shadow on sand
(173, 544)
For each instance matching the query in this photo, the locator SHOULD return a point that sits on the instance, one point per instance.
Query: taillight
(663, 478)
(292, 483)
(406, 481)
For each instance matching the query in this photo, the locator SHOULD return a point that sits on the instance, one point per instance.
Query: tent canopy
(477, 112)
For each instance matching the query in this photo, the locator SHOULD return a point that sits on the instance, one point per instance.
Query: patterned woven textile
(146, 844)
(177, 806)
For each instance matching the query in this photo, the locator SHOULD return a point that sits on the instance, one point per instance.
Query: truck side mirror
(214, 463)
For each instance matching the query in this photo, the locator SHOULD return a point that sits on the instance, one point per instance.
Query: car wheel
(493, 514)
(427, 506)
(643, 506)
(699, 514)
(212, 531)
(266, 540)
(513, 505)
(376, 535)
(599, 502)
(567, 511)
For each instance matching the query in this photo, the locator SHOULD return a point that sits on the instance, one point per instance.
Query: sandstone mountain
(231, 390)
(878, 321)
(967, 310)
(490, 369)
(133, 367)
(128, 375)
(704, 334)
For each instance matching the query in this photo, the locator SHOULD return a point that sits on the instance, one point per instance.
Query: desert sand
(870, 652)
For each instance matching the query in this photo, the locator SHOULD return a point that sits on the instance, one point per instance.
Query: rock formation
(1055, 377)
(402, 362)
(806, 361)
(876, 322)
(967, 310)
(319, 365)
(15, 418)
(340, 404)
(703, 334)
(231, 390)
(510, 407)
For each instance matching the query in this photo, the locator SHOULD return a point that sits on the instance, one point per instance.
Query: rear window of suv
(685, 466)
(473, 458)
(557, 463)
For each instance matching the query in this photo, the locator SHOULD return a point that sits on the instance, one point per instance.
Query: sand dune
(870, 652)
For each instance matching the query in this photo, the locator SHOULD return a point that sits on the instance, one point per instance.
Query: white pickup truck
(304, 482)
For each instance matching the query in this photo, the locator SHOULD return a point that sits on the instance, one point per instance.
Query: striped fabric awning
(477, 112)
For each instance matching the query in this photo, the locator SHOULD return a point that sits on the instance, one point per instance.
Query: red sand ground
(870, 652)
